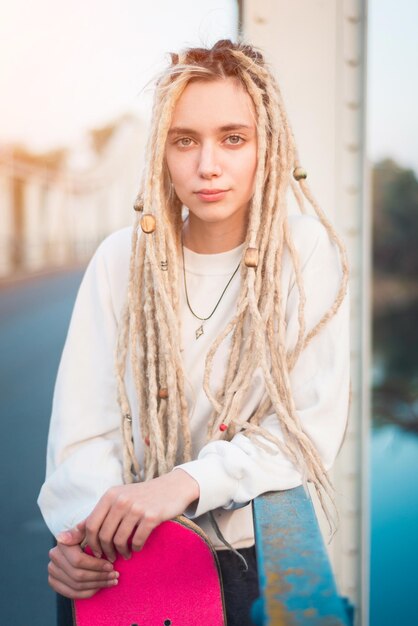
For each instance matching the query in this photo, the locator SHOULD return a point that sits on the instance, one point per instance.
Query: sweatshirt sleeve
(84, 447)
(231, 473)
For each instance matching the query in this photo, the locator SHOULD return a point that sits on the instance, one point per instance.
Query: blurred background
(76, 92)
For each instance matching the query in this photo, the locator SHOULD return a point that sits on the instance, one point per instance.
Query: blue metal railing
(295, 575)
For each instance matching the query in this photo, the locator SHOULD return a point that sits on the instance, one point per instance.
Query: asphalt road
(34, 317)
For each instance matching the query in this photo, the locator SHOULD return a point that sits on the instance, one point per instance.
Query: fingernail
(111, 583)
(97, 554)
(108, 567)
(64, 536)
(127, 557)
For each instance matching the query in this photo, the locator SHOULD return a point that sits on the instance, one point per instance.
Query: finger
(73, 557)
(74, 535)
(82, 575)
(95, 520)
(67, 591)
(146, 526)
(124, 531)
(108, 531)
(81, 579)
(82, 560)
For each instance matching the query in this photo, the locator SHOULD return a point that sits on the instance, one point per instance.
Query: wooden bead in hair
(148, 223)
(163, 393)
(299, 173)
(139, 203)
(251, 257)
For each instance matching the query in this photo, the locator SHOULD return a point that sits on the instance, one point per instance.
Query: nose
(209, 165)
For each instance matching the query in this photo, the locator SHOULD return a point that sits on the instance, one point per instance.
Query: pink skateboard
(175, 580)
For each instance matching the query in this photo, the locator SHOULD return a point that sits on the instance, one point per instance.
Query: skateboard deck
(175, 580)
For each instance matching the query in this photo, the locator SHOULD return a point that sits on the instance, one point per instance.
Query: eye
(236, 139)
(180, 142)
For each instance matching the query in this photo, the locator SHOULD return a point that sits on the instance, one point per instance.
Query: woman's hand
(74, 574)
(139, 505)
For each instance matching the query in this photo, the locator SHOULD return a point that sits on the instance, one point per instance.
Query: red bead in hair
(223, 427)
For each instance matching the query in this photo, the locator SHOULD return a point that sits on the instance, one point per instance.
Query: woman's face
(212, 145)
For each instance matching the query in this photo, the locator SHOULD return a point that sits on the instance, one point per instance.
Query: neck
(212, 237)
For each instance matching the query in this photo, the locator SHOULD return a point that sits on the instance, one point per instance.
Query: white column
(34, 235)
(7, 224)
(317, 49)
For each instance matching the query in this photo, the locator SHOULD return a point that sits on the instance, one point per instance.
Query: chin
(212, 215)
(214, 212)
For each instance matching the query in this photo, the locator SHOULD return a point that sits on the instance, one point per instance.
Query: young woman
(207, 359)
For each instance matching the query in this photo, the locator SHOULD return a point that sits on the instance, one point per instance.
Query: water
(394, 527)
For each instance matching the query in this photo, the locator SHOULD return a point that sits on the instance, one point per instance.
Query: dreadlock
(150, 326)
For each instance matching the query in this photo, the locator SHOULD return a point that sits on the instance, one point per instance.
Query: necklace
(199, 331)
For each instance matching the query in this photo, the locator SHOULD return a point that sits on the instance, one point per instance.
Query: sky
(68, 66)
(392, 111)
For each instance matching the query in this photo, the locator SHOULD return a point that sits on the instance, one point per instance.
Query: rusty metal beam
(295, 575)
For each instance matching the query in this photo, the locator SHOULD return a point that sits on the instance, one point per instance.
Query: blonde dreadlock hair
(150, 326)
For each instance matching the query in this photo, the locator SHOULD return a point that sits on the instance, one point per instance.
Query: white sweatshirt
(84, 456)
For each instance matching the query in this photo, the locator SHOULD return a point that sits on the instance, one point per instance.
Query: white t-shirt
(84, 456)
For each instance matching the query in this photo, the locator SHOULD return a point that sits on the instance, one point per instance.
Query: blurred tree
(395, 294)
(395, 219)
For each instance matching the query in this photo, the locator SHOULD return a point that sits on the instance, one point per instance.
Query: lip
(211, 195)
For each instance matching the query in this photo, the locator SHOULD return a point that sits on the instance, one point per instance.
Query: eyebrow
(181, 129)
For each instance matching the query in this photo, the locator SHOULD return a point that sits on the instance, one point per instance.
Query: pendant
(199, 331)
